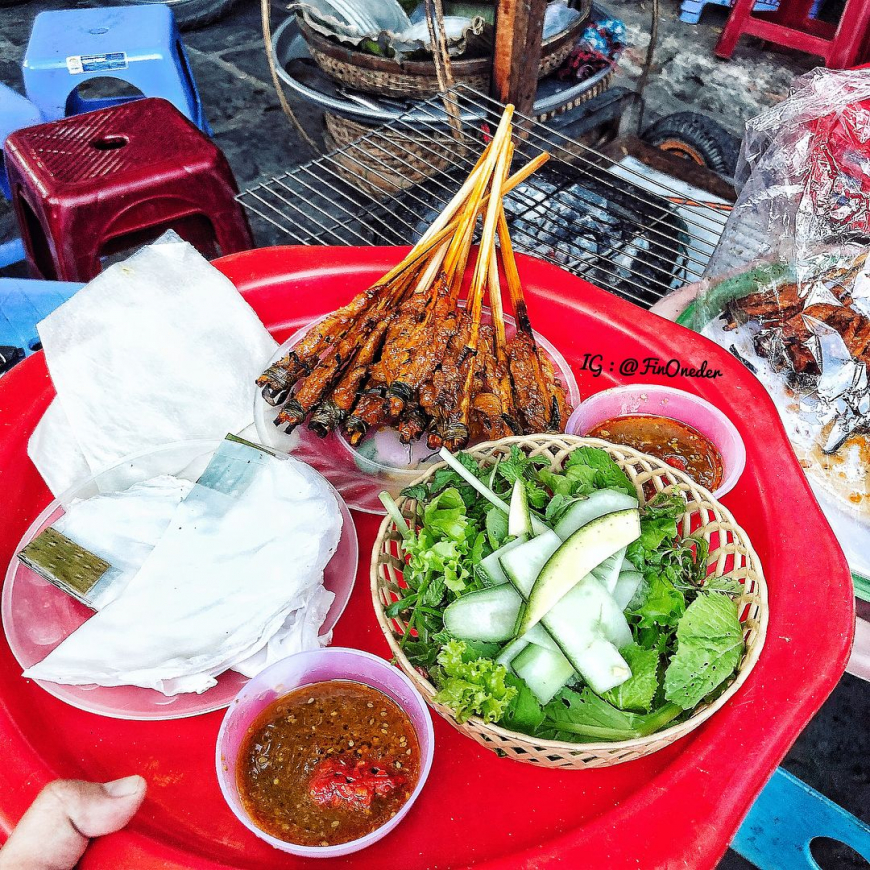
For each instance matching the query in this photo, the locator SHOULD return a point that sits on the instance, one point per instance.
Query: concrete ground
(833, 753)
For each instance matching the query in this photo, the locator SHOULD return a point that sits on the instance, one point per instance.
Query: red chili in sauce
(328, 763)
(679, 445)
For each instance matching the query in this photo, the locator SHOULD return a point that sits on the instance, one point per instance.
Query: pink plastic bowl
(303, 669)
(667, 402)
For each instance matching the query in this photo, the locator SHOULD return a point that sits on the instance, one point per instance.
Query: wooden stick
(457, 256)
(515, 286)
(486, 250)
(421, 249)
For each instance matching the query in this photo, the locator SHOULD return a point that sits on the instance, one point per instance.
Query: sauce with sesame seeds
(328, 763)
(678, 444)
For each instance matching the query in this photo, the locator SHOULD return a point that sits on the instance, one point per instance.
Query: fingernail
(125, 787)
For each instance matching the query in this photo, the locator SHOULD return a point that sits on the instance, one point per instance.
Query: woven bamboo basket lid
(412, 79)
(731, 556)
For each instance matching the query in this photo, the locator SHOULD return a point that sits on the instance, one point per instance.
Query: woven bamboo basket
(387, 77)
(379, 160)
(731, 556)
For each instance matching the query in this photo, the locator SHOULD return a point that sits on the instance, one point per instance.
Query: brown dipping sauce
(678, 444)
(328, 763)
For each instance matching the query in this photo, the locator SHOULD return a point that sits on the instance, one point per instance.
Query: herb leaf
(524, 713)
(709, 646)
(606, 473)
(583, 714)
(637, 692)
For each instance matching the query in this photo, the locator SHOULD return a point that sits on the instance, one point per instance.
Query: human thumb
(54, 833)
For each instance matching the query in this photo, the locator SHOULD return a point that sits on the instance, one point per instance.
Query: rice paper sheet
(233, 569)
(122, 528)
(159, 348)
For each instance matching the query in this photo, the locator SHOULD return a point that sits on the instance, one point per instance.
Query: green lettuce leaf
(472, 688)
(662, 605)
(637, 692)
(709, 646)
(496, 527)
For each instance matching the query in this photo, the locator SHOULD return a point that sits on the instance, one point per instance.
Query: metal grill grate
(598, 219)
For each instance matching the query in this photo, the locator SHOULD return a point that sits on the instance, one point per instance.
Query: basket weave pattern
(731, 556)
(386, 77)
(379, 160)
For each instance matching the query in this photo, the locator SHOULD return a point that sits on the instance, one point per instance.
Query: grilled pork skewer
(372, 409)
(333, 410)
(280, 377)
(538, 395)
(327, 372)
(403, 354)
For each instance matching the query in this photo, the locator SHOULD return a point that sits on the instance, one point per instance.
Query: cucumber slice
(584, 615)
(490, 568)
(599, 503)
(519, 518)
(511, 651)
(587, 612)
(522, 565)
(601, 665)
(587, 548)
(607, 573)
(489, 615)
(544, 671)
(626, 587)
(539, 636)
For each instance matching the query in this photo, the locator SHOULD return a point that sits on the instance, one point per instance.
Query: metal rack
(581, 211)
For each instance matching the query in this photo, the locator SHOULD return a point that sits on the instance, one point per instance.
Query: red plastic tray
(678, 808)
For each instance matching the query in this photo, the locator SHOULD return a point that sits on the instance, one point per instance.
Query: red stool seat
(791, 26)
(89, 186)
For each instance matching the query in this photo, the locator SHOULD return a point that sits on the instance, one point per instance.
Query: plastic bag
(788, 288)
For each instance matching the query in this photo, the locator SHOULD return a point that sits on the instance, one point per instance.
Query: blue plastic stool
(23, 303)
(16, 112)
(139, 45)
(690, 11)
(786, 817)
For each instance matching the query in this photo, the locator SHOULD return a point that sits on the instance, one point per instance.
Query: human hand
(54, 833)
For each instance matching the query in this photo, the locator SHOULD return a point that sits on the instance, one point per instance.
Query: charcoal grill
(582, 211)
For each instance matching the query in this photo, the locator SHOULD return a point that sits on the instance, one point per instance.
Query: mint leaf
(607, 473)
(638, 692)
(709, 646)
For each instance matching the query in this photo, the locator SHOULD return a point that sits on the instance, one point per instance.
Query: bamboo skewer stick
(403, 353)
(280, 377)
(480, 277)
(421, 249)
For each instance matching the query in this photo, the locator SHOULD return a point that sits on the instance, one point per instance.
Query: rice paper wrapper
(234, 580)
(157, 349)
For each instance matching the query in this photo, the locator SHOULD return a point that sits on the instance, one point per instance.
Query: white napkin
(229, 572)
(159, 348)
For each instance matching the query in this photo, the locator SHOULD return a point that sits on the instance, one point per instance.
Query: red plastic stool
(89, 186)
(840, 46)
